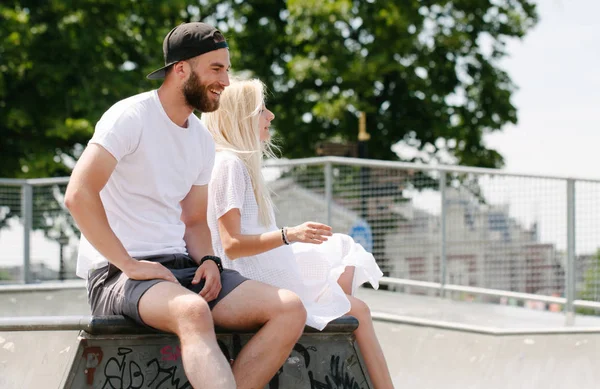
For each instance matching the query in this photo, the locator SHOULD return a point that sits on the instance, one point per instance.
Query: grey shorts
(110, 292)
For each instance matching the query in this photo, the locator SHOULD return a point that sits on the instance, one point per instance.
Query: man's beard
(196, 95)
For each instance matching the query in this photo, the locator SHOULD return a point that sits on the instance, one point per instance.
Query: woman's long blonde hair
(234, 127)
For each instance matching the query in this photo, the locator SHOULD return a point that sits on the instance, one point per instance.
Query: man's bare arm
(197, 234)
(198, 241)
(82, 198)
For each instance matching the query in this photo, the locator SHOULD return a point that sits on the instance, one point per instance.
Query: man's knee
(292, 308)
(191, 313)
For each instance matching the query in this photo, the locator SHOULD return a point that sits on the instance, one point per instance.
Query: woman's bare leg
(369, 345)
(365, 335)
(346, 279)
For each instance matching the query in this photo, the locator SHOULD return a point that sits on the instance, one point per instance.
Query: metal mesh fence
(587, 230)
(298, 193)
(506, 232)
(477, 227)
(11, 234)
(501, 232)
(52, 224)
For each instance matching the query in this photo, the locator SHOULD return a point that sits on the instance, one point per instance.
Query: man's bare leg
(282, 317)
(170, 307)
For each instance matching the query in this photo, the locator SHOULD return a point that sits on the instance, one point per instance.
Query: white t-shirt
(158, 163)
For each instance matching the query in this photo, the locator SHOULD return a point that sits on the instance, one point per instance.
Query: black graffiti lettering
(113, 381)
(300, 349)
(169, 376)
(114, 371)
(135, 375)
(338, 377)
(118, 367)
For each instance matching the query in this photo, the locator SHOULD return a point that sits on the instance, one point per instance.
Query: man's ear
(180, 69)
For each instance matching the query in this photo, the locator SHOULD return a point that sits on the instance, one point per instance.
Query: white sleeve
(206, 172)
(228, 186)
(119, 135)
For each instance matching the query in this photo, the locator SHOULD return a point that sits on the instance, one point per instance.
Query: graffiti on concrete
(93, 357)
(169, 377)
(318, 365)
(338, 377)
(122, 372)
(170, 353)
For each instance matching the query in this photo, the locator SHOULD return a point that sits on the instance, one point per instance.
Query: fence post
(570, 268)
(328, 189)
(443, 262)
(27, 217)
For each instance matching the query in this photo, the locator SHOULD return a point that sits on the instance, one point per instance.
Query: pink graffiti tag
(170, 353)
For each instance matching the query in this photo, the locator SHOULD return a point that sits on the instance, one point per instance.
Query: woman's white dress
(311, 271)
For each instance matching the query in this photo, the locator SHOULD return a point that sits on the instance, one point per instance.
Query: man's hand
(212, 284)
(147, 270)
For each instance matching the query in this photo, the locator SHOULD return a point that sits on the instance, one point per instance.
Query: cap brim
(158, 73)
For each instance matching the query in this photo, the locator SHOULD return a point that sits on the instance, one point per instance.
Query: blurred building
(485, 246)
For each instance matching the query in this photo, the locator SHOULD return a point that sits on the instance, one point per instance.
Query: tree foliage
(590, 290)
(63, 63)
(426, 72)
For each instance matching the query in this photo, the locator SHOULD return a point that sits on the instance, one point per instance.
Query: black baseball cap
(186, 41)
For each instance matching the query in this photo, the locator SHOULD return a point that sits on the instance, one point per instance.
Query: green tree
(591, 284)
(426, 72)
(63, 63)
(5, 276)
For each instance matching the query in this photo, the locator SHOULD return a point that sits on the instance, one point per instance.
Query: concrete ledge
(106, 325)
(115, 352)
(120, 325)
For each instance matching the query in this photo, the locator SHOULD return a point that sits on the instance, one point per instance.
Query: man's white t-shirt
(158, 163)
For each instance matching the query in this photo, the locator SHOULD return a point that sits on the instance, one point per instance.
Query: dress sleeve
(228, 185)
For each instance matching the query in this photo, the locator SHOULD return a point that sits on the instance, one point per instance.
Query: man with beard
(139, 196)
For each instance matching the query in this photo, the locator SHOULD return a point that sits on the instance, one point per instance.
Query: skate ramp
(430, 358)
(428, 342)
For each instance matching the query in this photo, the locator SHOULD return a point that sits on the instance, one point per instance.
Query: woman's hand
(309, 232)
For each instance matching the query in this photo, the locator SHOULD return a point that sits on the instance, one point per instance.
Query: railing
(472, 232)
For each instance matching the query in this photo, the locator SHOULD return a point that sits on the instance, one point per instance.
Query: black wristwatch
(213, 258)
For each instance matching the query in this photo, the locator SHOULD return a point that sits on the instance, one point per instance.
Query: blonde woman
(322, 268)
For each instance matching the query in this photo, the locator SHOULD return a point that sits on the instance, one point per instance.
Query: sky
(556, 70)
